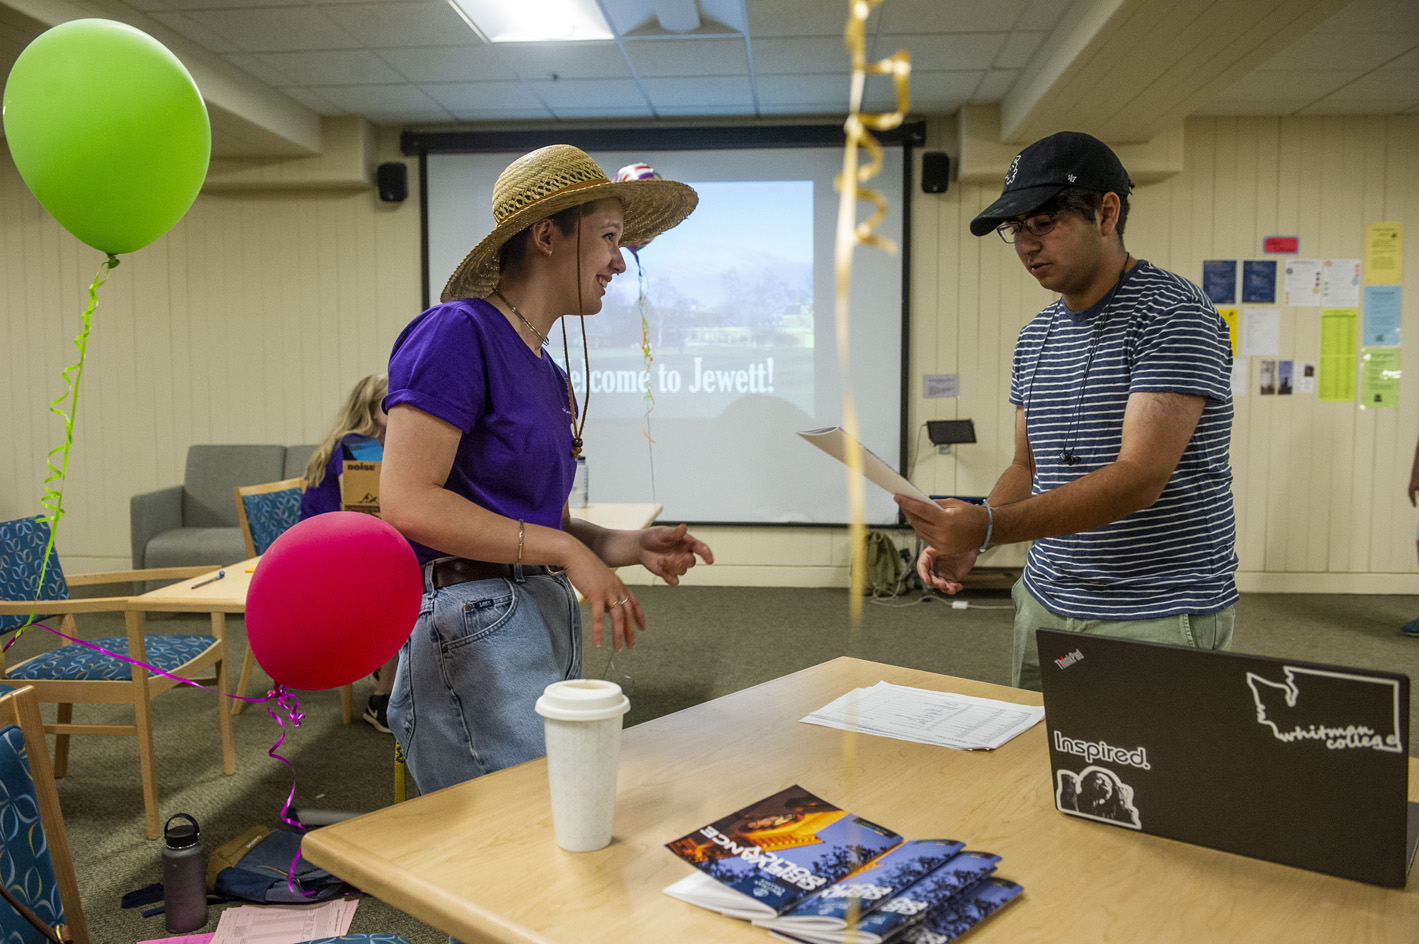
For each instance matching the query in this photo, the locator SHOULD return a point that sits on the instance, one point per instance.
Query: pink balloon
(332, 599)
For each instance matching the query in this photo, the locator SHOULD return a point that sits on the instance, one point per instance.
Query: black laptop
(1293, 762)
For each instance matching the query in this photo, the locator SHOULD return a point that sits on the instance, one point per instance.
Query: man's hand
(950, 526)
(944, 573)
(670, 552)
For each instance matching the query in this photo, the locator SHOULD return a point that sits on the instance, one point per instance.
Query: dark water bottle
(184, 875)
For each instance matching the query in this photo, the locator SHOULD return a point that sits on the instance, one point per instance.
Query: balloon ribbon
(54, 495)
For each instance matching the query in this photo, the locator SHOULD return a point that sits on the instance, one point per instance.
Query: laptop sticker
(1320, 706)
(1096, 793)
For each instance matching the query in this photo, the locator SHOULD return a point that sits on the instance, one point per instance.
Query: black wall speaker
(393, 181)
(935, 171)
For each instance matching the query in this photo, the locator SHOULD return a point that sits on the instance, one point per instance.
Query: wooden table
(479, 860)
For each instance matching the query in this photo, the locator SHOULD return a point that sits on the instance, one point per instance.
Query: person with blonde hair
(358, 435)
(484, 433)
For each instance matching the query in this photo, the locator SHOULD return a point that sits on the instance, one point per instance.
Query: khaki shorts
(1199, 630)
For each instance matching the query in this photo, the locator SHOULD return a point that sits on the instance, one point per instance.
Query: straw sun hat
(551, 179)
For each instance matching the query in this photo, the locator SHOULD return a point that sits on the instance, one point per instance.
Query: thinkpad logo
(1068, 659)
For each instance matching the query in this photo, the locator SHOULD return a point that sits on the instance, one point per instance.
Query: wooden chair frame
(21, 708)
(139, 690)
(248, 662)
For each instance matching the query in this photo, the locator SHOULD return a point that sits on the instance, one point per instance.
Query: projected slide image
(730, 308)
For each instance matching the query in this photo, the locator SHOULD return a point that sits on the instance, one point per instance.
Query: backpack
(254, 866)
(886, 571)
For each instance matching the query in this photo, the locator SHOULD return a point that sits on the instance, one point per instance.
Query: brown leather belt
(456, 570)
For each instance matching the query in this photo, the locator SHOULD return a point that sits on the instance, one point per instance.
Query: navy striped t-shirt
(1073, 374)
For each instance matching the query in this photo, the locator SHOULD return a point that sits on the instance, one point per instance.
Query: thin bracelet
(989, 528)
(521, 530)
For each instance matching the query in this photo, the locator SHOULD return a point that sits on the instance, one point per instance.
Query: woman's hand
(670, 552)
(608, 596)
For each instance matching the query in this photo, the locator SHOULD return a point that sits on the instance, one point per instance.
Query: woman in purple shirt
(483, 434)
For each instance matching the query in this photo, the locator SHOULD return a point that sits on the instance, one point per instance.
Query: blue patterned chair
(265, 512)
(71, 674)
(34, 850)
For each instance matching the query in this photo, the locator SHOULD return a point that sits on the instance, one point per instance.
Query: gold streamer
(850, 234)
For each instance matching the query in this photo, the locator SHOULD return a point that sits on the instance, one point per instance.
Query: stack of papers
(942, 718)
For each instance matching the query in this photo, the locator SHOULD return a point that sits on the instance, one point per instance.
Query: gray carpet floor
(701, 643)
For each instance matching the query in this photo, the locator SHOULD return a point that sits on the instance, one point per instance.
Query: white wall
(249, 321)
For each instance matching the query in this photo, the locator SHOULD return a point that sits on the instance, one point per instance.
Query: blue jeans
(471, 672)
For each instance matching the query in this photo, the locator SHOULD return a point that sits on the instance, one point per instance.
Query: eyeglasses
(1037, 226)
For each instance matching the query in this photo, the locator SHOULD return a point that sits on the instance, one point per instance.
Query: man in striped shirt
(1123, 423)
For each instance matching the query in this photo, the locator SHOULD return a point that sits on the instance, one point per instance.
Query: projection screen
(738, 321)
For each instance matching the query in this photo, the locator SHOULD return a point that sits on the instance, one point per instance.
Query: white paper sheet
(834, 441)
(285, 924)
(1261, 332)
(915, 714)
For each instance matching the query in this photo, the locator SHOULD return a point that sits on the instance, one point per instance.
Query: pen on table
(203, 583)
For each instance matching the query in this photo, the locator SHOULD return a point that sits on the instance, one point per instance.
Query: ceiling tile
(1042, 14)
(936, 16)
(536, 113)
(670, 57)
(188, 28)
(333, 67)
(801, 55)
(934, 51)
(930, 91)
(389, 25)
(1284, 86)
(699, 92)
(595, 60)
(1020, 47)
(255, 67)
(588, 93)
(996, 85)
(820, 92)
(275, 29)
(464, 97)
(779, 18)
(1321, 51)
(447, 63)
(1409, 62)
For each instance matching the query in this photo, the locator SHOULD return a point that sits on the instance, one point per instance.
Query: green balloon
(108, 131)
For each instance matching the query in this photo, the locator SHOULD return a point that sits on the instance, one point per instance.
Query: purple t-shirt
(465, 364)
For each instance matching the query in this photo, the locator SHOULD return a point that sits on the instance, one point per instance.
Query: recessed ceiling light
(535, 21)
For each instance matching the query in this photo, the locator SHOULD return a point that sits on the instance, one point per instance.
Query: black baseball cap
(1066, 159)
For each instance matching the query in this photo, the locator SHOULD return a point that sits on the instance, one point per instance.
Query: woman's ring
(621, 602)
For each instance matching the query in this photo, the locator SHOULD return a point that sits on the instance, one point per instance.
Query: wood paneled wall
(250, 320)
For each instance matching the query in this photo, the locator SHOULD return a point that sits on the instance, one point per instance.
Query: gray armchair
(196, 522)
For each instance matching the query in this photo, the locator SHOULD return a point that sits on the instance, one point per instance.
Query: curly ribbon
(287, 701)
(851, 234)
(54, 497)
(643, 284)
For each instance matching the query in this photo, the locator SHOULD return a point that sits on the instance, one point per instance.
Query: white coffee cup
(582, 718)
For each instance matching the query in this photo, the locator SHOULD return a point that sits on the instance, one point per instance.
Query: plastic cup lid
(582, 700)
